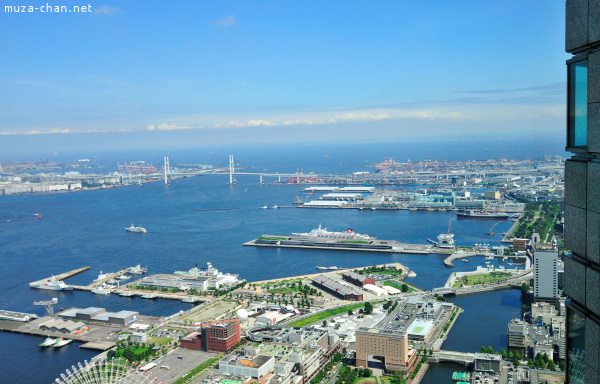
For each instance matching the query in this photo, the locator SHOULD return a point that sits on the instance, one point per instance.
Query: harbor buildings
(336, 288)
(582, 191)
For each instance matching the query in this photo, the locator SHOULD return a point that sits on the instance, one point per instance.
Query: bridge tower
(49, 304)
(231, 169)
(166, 167)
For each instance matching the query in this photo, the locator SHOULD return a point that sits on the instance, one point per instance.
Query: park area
(209, 311)
(482, 278)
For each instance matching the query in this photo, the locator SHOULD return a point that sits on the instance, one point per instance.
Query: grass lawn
(485, 278)
(272, 238)
(385, 380)
(324, 315)
(365, 380)
(397, 286)
(159, 340)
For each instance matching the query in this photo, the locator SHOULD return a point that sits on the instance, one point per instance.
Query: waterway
(88, 228)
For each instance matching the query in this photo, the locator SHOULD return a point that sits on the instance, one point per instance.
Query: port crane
(49, 304)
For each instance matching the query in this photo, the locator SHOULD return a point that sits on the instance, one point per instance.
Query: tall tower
(231, 169)
(166, 167)
(582, 192)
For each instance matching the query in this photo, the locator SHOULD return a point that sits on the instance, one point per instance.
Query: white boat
(465, 260)
(52, 285)
(274, 207)
(331, 268)
(101, 290)
(50, 341)
(102, 276)
(124, 277)
(127, 294)
(324, 233)
(61, 342)
(137, 270)
(149, 296)
(264, 207)
(135, 229)
(489, 257)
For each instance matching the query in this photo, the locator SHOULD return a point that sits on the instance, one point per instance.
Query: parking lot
(178, 363)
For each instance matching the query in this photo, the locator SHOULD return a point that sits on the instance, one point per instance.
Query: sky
(152, 73)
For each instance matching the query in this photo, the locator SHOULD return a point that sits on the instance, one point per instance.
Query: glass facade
(577, 104)
(575, 347)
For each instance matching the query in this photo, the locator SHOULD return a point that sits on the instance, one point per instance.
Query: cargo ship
(482, 215)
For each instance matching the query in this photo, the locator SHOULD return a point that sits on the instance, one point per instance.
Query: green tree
(530, 363)
(324, 323)
(503, 353)
(518, 356)
(404, 288)
(350, 313)
(368, 308)
(490, 350)
(562, 365)
(367, 372)
(551, 366)
(511, 355)
(483, 349)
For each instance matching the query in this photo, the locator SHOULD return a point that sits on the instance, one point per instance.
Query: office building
(582, 191)
(545, 276)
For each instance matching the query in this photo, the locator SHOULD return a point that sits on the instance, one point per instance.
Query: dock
(92, 341)
(61, 276)
(385, 246)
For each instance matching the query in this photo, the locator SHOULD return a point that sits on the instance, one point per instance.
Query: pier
(386, 246)
(61, 276)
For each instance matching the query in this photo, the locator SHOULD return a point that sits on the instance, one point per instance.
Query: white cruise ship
(324, 233)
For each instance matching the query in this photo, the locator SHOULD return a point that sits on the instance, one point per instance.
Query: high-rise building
(582, 191)
(545, 276)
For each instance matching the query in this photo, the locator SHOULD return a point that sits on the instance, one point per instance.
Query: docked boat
(102, 276)
(135, 229)
(124, 277)
(482, 215)
(101, 290)
(50, 341)
(149, 296)
(324, 233)
(137, 270)
(62, 342)
(190, 299)
(127, 294)
(52, 285)
(332, 268)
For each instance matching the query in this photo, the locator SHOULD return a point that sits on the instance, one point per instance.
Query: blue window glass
(577, 124)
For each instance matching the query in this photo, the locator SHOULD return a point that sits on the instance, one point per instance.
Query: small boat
(124, 277)
(61, 342)
(135, 229)
(137, 270)
(274, 207)
(149, 296)
(464, 260)
(50, 341)
(101, 290)
(127, 294)
(264, 207)
(190, 299)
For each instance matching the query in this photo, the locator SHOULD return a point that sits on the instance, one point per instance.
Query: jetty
(61, 276)
(372, 245)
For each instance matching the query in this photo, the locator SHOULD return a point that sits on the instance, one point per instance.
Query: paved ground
(178, 367)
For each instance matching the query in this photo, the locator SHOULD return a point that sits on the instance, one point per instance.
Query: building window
(575, 347)
(577, 104)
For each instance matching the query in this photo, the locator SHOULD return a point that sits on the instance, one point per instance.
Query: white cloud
(225, 22)
(107, 10)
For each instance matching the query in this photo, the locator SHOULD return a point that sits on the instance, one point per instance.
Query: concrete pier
(62, 276)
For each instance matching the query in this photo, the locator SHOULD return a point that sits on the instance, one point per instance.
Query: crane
(49, 304)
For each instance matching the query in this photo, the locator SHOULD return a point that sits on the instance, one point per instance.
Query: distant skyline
(134, 74)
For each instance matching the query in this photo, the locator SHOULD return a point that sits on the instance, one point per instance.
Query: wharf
(61, 276)
(92, 342)
(94, 284)
(449, 261)
(386, 246)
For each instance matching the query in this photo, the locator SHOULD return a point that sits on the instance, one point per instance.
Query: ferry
(101, 290)
(61, 342)
(324, 233)
(126, 294)
(135, 229)
(332, 268)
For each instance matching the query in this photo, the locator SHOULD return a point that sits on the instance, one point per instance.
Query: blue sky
(184, 73)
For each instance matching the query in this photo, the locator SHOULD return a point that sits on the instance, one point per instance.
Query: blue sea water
(87, 229)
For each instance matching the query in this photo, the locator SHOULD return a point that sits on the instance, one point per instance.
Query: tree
(368, 308)
(530, 363)
(483, 349)
(490, 350)
(367, 372)
(503, 353)
(518, 356)
(562, 365)
(404, 288)
(431, 351)
(350, 313)
(551, 366)
(324, 323)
